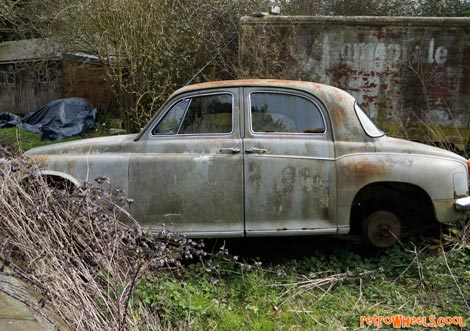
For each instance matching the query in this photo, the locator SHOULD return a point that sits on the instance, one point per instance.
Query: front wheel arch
(410, 203)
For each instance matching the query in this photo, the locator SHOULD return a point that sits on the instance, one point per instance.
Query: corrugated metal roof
(27, 50)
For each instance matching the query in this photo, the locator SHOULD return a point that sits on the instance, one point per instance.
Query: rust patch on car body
(365, 170)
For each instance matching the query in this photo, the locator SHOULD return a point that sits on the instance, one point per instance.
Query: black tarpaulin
(58, 119)
(9, 120)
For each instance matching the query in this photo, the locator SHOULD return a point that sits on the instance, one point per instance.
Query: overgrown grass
(20, 139)
(23, 140)
(327, 291)
(96, 273)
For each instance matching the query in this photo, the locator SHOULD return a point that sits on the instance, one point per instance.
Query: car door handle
(230, 150)
(254, 150)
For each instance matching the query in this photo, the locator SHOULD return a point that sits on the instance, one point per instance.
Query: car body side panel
(189, 186)
(88, 167)
(360, 169)
(291, 187)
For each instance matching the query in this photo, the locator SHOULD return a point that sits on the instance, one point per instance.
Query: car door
(290, 179)
(187, 172)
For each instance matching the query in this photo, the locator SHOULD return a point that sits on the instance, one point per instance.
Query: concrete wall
(412, 75)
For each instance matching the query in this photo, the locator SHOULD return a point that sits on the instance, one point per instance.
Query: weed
(23, 140)
(97, 273)
(73, 249)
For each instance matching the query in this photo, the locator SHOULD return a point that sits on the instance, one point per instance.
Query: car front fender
(434, 175)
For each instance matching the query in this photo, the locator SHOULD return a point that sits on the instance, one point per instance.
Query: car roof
(295, 84)
(339, 103)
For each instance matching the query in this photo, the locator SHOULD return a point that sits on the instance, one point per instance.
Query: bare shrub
(81, 259)
(265, 52)
(147, 48)
(457, 236)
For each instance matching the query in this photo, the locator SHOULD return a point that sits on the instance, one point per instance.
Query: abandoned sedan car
(270, 158)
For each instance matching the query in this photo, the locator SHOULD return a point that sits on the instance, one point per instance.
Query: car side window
(198, 115)
(172, 121)
(284, 113)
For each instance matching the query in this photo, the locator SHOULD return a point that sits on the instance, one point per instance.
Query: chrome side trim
(301, 232)
(266, 233)
(344, 230)
(297, 157)
(228, 234)
(400, 154)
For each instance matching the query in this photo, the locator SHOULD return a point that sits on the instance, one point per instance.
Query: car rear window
(284, 113)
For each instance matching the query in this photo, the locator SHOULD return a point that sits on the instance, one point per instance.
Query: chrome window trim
(176, 135)
(358, 110)
(290, 134)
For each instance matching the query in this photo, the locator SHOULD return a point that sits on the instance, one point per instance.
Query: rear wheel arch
(60, 180)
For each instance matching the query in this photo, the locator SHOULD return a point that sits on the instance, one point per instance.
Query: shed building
(34, 72)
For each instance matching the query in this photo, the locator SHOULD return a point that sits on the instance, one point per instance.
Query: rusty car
(248, 158)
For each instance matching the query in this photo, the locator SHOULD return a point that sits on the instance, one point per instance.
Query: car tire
(381, 229)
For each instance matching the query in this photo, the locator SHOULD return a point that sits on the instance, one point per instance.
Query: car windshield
(369, 127)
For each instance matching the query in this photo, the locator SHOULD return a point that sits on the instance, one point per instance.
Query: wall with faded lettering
(412, 75)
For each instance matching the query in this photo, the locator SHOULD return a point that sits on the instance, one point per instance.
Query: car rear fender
(62, 176)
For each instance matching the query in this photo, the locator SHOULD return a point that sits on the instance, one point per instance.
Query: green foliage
(444, 8)
(328, 290)
(23, 140)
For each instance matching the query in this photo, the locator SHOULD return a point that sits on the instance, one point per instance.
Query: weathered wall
(412, 75)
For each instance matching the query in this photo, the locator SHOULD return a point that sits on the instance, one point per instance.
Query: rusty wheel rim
(382, 229)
